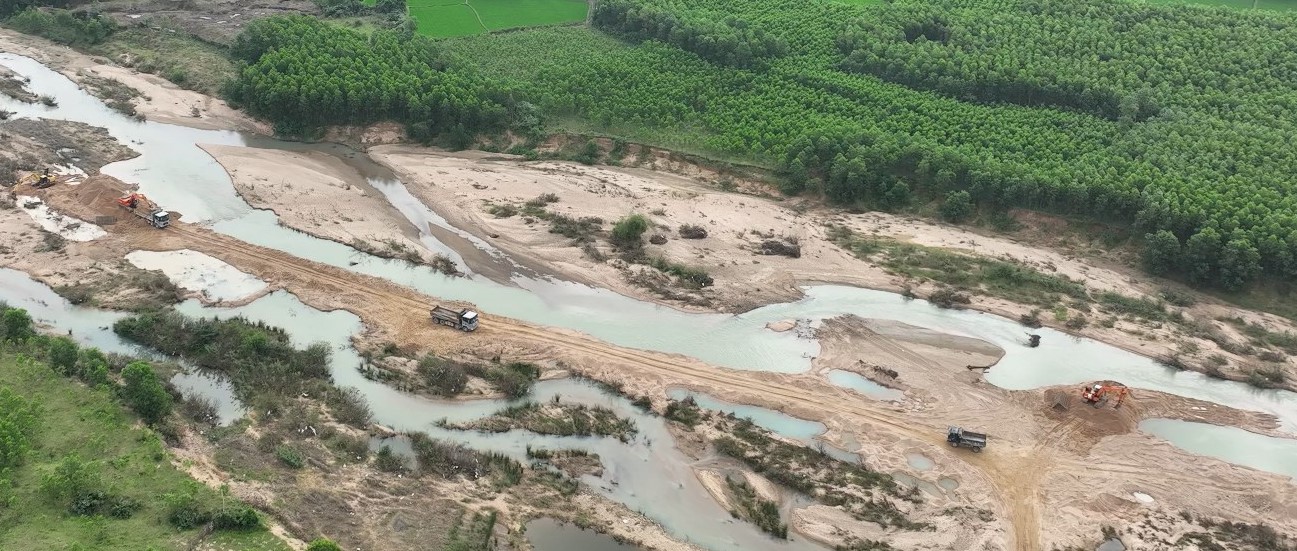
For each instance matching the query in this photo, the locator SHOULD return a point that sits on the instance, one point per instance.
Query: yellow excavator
(39, 180)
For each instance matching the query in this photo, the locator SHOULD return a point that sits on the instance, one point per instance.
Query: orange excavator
(1099, 393)
(141, 206)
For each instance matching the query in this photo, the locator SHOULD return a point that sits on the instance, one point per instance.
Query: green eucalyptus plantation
(1175, 119)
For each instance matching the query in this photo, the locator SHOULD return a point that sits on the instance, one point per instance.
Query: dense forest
(1175, 119)
(712, 36)
(302, 73)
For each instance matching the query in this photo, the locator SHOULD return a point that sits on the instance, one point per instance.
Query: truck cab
(160, 219)
(468, 320)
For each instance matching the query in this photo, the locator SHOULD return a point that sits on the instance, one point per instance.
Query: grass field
(441, 18)
(1278, 5)
(131, 461)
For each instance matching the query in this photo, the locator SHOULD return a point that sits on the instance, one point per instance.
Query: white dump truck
(464, 320)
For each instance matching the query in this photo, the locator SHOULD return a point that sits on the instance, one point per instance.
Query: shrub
(236, 517)
(348, 406)
(72, 481)
(17, 325)
(388, 461)
(289, 456)
(144, 393)
(19, 421)
(957, 207)
(63, 26)
(628, 231)
(183, 509)
(947, 297)
(692, 231)
(444, 377)
(63, 355)
(323, 544)
(781, 248)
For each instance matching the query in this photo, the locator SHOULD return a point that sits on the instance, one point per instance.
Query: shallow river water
(183, 178)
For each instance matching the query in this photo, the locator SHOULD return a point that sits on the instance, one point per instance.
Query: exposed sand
(317, 194)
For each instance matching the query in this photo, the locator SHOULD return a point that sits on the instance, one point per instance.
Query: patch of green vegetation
(76, 29)
(172, 54)
(761, 512)
(512, 14)
(1149, 309)
(259, 360)
(453, 460)
(472, 533)
(556, 419)
(686, 412)
(87, 476)
(1260, 336)
(865, 493)
(439, 18)
(854, 543)
(999, 278)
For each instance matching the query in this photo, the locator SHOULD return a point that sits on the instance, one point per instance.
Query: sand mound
(1083, 423)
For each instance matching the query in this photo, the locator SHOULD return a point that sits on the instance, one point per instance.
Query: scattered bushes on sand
(629, 231)
(761, 512)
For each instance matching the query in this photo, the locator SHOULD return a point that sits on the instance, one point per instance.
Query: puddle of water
(546, 534)
(1113, 544)
(919, 461)
(783, 424)
(214, 388)
(69, 228)
(948, 484)
(1143, 497)
(863, 385)
(1234, 445)
(911, 482)
(196, 271)
(771, 420)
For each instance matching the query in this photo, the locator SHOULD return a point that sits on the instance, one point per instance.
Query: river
(174, 171)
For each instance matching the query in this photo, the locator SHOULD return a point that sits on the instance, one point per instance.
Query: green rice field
(445, 19)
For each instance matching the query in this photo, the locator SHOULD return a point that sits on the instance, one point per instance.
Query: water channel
(183, 178)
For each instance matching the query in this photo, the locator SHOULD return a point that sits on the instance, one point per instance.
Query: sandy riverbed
(318, 194)
(160, 100)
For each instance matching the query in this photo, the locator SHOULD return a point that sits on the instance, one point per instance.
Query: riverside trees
(304, 74)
